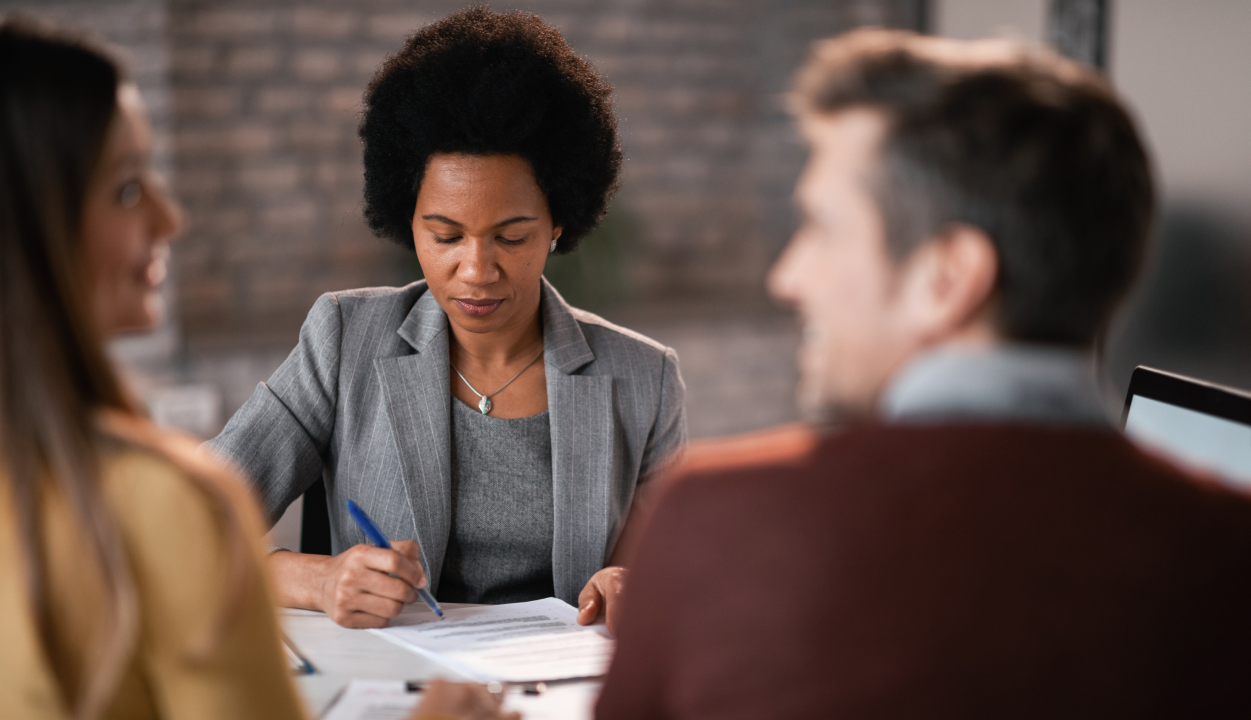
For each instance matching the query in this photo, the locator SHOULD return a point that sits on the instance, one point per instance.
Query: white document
(523, 642)
(373, 700)
(389, 700)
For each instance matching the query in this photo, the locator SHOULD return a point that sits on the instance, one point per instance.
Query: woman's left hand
(602, 596)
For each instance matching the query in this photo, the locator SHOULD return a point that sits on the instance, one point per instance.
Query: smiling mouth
(477, 308)
(154, 273)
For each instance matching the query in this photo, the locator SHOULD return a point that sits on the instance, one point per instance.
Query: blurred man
(977, 540)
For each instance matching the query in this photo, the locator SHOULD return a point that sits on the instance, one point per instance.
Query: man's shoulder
(765, 452)
(750, 473)
(794, 465)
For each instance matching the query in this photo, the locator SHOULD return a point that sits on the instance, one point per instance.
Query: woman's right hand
(362, 587)
(463, 701)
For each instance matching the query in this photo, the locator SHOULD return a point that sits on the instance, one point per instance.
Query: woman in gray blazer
(495, 432)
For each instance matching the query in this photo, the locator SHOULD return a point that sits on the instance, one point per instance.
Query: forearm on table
(298, 579)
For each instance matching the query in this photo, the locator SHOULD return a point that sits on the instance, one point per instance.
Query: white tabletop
(341, 655)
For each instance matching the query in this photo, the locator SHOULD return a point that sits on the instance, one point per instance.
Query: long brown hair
(58, 99)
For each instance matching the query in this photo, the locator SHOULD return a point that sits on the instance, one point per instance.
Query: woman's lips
(477, 308)
(154, 273)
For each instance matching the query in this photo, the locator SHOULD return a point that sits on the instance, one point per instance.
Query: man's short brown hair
(1033, 149)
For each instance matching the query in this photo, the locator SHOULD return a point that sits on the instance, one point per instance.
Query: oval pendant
(484, 405)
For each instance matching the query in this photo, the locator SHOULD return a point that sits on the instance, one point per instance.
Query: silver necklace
(484, 403)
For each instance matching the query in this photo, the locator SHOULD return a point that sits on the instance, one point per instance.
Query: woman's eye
(445, 240)
(130, 194)
(510, 241)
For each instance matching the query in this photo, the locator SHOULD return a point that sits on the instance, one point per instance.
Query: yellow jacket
(177, 547)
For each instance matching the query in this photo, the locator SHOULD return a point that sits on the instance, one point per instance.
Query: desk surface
(341, 655)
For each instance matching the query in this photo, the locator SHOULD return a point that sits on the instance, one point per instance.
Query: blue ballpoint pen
(377, 538)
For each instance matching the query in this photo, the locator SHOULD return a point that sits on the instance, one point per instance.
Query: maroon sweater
(939, 572)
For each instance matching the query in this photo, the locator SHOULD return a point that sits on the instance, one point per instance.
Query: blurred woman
(130, 569)
(474, 411)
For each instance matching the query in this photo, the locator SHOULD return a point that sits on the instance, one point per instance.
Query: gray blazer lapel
(418, 398)
(583, 450)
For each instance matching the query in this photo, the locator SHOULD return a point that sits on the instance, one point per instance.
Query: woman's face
(482, 231)
(128, 221)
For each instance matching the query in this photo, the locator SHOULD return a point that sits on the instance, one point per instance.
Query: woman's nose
(167, 215)
(478, 266)
(785, 276)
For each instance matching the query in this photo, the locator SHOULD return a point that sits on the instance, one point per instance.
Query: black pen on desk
(530, 688)
(377, 538)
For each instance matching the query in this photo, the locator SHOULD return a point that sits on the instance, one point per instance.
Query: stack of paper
(523, 642)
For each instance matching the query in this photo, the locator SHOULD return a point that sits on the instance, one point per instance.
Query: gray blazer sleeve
(280, 438)
(668, 435)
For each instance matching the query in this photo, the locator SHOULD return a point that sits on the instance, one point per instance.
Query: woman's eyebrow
(442, 219)
(514, 220)
(448, 221)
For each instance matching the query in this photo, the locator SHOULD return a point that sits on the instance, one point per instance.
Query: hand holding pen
(376, 537)
(362, 587)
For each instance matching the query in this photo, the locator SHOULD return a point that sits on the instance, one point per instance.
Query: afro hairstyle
(484, 83)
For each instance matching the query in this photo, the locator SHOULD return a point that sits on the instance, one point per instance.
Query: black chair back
(315, 521)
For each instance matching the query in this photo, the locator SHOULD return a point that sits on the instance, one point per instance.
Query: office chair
(315, 521)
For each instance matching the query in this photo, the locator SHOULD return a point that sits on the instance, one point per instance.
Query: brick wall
(264, 103)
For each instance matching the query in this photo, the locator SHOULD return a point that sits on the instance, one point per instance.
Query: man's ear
(948, 285)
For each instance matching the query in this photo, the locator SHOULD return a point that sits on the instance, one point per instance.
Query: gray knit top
(500, 546)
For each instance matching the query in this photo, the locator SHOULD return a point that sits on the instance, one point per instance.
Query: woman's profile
(496, 432)
(131, 569)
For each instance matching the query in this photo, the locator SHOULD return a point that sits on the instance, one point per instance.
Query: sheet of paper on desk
(388, 700)
(521, 642)
(373, 700)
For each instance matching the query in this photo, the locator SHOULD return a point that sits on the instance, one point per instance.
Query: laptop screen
(1199, 424)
